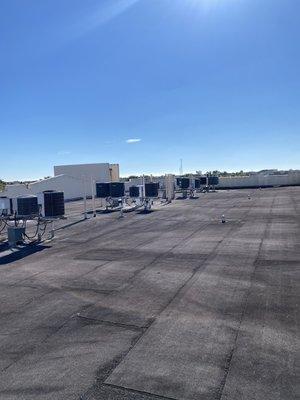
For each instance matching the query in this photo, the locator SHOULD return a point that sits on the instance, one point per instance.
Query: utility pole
(181, 168)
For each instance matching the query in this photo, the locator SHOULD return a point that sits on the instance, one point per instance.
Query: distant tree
(225, 173)
(2, 185)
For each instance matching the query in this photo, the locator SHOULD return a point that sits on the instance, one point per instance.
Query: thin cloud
(63, 152)
(103, 14)
(133, 140)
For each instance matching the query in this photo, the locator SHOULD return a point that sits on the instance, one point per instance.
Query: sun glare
(204, 4)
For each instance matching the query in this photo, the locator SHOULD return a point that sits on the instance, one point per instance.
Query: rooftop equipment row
(114, 194)
(43, 208)
(185, 182)
(49, 205)
(188, 186)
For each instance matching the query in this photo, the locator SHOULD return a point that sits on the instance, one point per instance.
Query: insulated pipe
(93, 183)
(84, 199)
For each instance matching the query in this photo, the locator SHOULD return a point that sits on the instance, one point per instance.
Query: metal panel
(54, 205)
(183, 183)
(213, 180)
(134, 191)
(26, 206)
(117, 189)
(151, 189)
(197, 183)
(102, 190)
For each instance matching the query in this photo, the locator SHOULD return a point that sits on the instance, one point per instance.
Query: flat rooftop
(167, 305)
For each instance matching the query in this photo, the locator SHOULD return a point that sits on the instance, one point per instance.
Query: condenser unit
(197, 183)
(213, 180)
(117, 189)
(110, 189)
(102, 190)
(183, 183)
(52, 204)
(5, 206)
(151, 189)
(25, 206)
(136, 191)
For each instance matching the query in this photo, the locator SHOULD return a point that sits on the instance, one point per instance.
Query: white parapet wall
(258, 180)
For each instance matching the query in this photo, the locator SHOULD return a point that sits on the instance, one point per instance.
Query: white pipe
(93, 196)
(84, 198)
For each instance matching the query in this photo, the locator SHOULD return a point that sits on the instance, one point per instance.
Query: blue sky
(214, 82)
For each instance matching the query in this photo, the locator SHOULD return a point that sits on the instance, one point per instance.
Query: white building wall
(80, 179)
(99, 172)
(73, 188)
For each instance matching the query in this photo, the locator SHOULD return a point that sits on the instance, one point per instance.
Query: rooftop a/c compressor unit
(136, 191)
(102, 190)
(197, 183)
(183, 183)
(213, 180)
(5, 206)
(110, 189)
(52, 204)
(117, 189)
(151, 189)
(209, 180)
(25, 206)
(148, 190)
